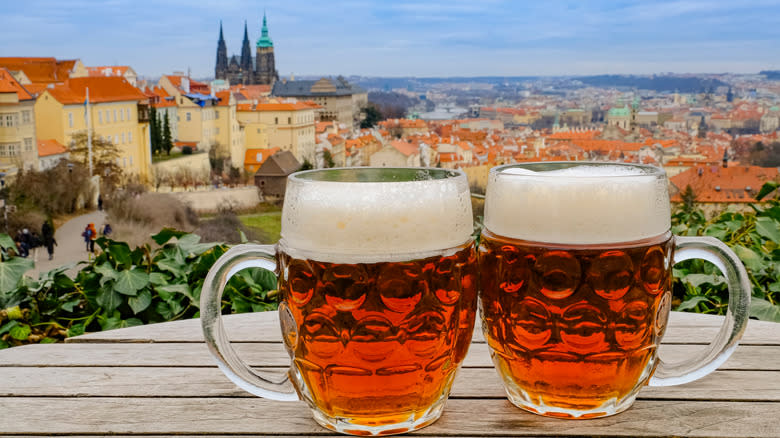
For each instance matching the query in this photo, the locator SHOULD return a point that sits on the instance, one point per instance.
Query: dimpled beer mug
(576, 261)
(377, 273)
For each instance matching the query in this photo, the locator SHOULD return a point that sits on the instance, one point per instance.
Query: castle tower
(222, 60)
(265, 72)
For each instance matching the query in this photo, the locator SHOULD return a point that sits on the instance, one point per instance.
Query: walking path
(70, 245)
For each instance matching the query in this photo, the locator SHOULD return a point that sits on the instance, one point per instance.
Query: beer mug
(576, 268)
(377, 274)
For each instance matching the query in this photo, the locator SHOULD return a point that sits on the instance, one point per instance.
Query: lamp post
(5, 207)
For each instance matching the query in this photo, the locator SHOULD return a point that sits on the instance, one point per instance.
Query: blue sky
(406, 38)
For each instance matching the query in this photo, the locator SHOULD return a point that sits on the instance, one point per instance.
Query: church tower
(220, 70)
(246, 58)
(265, 73)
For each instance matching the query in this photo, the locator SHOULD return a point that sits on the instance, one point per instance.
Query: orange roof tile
(224, 98)
(43, 70)
(107, 70)
(10, 85)
(404, 147)
(257, 156)
(724, 185)
(50, 147)
(101, 89)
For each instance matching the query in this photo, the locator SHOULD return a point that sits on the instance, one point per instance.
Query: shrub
(186, 150)
(136, 216)
(121, 288)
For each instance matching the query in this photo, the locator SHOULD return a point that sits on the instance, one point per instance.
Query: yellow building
(338, 100)
(227, 131)
(18, 145)
(287, 126)
(114, 112)
(196, 110)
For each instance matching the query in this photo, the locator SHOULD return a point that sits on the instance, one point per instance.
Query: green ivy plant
(754, 237)
(121, 287)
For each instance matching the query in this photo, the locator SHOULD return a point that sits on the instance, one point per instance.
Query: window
(276, 120)
(100, 117)
(11, 150)
(26, 117)
(70, 120)
(123, 136)
(116, 139)
(28, 144)
(289, 120)
(258, 130)
(121, 115)
(124, 162)
(108, 119)
(9, 120)
(216, 131)
(131, 161)
(127, 112)
(189, 117)
(130, 136)
(114, 115)
(216, 114)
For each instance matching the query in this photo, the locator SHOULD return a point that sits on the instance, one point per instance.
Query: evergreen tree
(167, 143)
(152, 123)
(157, 133)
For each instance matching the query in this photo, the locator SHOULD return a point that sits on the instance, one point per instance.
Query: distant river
(443, 113)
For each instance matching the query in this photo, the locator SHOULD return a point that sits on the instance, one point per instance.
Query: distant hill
(681, 84)
(771, 74)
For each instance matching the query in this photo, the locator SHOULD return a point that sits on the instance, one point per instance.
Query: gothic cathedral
(246, 70)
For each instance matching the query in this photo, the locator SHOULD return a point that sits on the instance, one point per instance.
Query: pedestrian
(35, 243)
(107, 230)
(92, 237)
(87, 235)
(25, 241)
(100, 202)
(47, 235)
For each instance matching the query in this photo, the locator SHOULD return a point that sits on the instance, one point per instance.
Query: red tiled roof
(43, 70)
(724, 185)
(101, 89)
(257, 156)
(10, 85)
(50, 147)
(224, 98)
(107, 70)
(404, 147)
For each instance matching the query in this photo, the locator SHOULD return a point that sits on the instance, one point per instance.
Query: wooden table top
(159, 380)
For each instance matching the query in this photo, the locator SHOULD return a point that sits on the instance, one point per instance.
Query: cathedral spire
(246, 52)
(222, 61)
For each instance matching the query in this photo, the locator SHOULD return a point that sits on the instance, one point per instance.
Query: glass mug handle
(274, 386)
(719, 350)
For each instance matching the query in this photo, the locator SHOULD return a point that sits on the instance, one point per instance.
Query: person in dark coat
(47, 235)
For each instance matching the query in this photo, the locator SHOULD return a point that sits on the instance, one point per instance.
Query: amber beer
(575, 264)
(574, 327)
(379, 343)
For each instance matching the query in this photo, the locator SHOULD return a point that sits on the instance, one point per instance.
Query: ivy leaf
(11, 271)
(131, 281)
(768, 229)
(106, 271)
(717, 231)
(183, 289)
(76, 330)
(108, 298)
(767, 188)
(69, 305)
(749, 257)
(20, 332)
(158, 279)
(6, 242)
(172, 266)
(764, 310)
(190, 244)
(8, 326)
(167, 234)
(692, 303)
(4, 344)
(699, 279)
(120, 252)
(164, 310)
(140, 302)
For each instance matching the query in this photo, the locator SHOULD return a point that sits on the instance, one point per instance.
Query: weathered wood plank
(210, 382)
(746, 357)
(203, 416)
(264, 327)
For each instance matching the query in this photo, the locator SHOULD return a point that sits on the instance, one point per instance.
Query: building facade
(339, 100)
(114, 104)
(287, 126)
(244, 69)
(18, 146)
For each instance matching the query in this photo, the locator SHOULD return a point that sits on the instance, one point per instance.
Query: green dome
(618, 112)
(265, 40)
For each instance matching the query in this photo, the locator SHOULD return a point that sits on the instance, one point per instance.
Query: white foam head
(577, 203)
(375, 214)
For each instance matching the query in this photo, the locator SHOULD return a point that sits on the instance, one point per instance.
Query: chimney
(725, 159)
